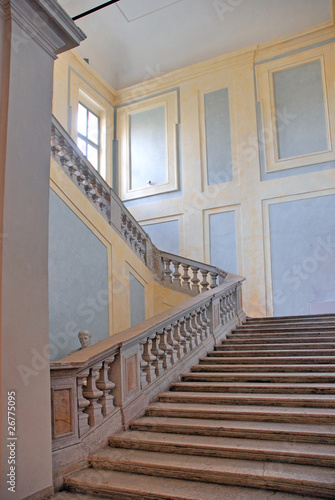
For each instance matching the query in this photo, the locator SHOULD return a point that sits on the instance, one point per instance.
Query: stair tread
(238, 408)
(321, 476)
(184, 422)
(141, 487)
(224, 442)
(219, 367)
(275, 385)
(330, 359)
(274, 397)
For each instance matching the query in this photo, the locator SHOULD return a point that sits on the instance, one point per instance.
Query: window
(88, 139)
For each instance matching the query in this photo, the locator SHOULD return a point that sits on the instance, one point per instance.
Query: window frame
(86, 139)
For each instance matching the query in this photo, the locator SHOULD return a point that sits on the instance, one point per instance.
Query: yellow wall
(247, 194)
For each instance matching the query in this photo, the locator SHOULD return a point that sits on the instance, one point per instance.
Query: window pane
(92, 156)
(93, 128)
(82, 120)
(81, 145)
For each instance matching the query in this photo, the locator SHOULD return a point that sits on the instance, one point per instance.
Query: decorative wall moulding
(281, 119)
(163, 145)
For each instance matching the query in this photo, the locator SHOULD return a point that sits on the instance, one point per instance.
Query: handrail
(121, 373)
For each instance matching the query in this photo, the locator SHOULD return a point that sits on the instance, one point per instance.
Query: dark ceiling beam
(79, 16)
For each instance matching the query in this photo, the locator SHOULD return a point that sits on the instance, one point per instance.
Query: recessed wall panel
(148, 153)
(223, 242)
(165, 235)
(302, 238)
(78, 286)
(300, 110)
(137, 300)
(218, 137)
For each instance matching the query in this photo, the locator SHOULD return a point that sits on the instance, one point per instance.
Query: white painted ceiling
(135, 40)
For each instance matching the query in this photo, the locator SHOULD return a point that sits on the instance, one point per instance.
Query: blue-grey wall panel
(165, 235)
(78, 289)
(137, 300)
(299, 95)
(302, 235)
(148, 154)
(218, 137)
(223, 245)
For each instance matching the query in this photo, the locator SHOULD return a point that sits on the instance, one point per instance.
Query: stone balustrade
(97, 390)
(188, 275)
(66, 153)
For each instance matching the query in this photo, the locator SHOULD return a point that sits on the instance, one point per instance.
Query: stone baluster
(195, 280)
(185, 277)
(204, 284)
(214, 277)
(93, 394)
(196, 327)
(83, 425)
(130, 236)
(201, 325)
(124, 225)
(158, 353)
(232, 305)
(142, 247)
(180, 340)
(185, 336)
(93, 189)
(205, 320)
(106, 386)
(149, 358)
(78, 171)
(172, 343)
(191, 331)
(166, 348)
(71, 162)
(176, 274)
(134, 237)
(143, 365)
(167, 278)
(225, 309)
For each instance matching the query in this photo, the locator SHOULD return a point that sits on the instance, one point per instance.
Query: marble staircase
(254, 419)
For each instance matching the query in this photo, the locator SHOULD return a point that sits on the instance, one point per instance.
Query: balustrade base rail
(97, 391)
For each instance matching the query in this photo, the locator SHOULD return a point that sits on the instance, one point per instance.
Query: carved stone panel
(62, 412)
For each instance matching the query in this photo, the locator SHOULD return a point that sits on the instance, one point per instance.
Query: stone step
(300, 377)
(254, 387)
(302, 479)
(263, 368)
(296, 338)
(290, 346)
(235, 448)
(293, 329)
(308, 415)
(268, 352)
(256, 360)
(302, 318)
(302, 433)
(126, 486)
(293, 400)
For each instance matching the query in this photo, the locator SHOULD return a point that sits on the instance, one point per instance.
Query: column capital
(46, 22)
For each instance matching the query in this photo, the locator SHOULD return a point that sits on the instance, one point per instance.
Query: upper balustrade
(189, 275)
(67, 154)
(173, 271)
